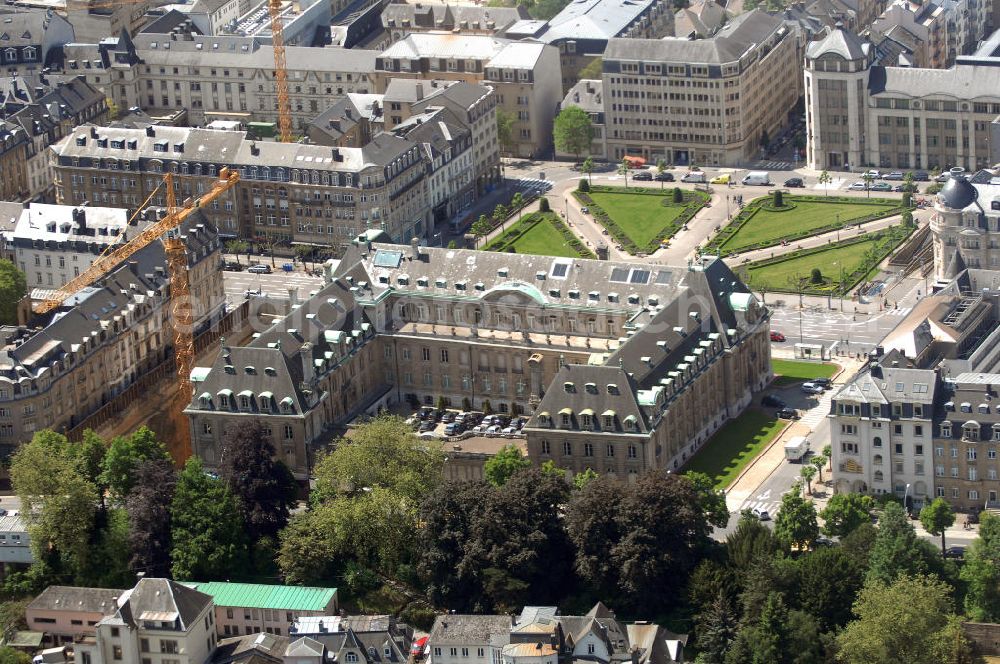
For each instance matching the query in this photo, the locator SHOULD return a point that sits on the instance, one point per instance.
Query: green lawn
(735, 445)
(542, 238)
(641, 216)
(770, 225)
(794, 371)
(776, 276)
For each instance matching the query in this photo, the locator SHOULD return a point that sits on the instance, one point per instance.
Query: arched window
(877, 442)
(879, 477)
(877, 460)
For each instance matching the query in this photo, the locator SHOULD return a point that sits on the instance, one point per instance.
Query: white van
(759, 178)
(695, 176)
(796, 448)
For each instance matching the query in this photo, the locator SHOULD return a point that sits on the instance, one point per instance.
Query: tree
(9, 655)
(481, 228)
(267, 241)
(819, 463)
(264, 488)
(504, 464)
(58, 502)
(936, 517)
(587, 168)
(505, 130)
(845, 512)
(825, 179)
(795, 524)
(868, 179)
(906, 218)
(593, 527)
(896, 550)
(716, 628)
(543, 204)
(500, 214)
(13, 287)
(909, 186)
(711, 500)
(981, 572)
(661, 167)
(236, 247)
(909, 620)
(750, 541)
(573, 131)
(581, 480)
(593, 70)
(125, 455)
(148, 508)
(88, 454)
(623, 167)
(677, 196)
(778, 198)
(307, 554)
(816, 276)
(517, 203)
(208, 539)
(807, 473)
(827, 584)
(303, 252)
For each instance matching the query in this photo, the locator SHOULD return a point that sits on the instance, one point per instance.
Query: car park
(644, 176)
(794, 183)
(858, 186)
(895, 175)
(773, 401)
(777, 336)
(664, 177)
(812, 388)
(787, 414)
(881, 186)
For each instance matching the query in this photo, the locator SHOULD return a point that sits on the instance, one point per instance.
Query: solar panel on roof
(386, 258)
(620, 274)
(639, 277)
(560, 269)
(663, 277)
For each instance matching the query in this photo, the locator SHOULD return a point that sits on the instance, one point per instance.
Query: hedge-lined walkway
(761, 225)
(540, 233)
(640, 219)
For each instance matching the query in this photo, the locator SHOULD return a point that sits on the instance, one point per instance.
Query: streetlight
(905, 493)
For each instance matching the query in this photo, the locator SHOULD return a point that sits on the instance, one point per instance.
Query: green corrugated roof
(262, 596)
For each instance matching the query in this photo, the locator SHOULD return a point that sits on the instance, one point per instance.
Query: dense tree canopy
(981, 572)
(125, 455)
(573, 131)
(845, 512)
(504, 464)
(13, 287)
(148, 507)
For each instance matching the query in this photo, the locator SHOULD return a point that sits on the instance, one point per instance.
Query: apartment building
(67, 613)
(525, 76)
(582, 30)
(33, 36)
(51, 113)
(55, 243)
(936, 33)
(965, 226)
(159, 621)
(418, 323)
(859, 113)
(250, 608)
(707, 101)
(14, 147)
(93, 21)
(382, 638)
(222, 77)
(62, 369)
(288, 192)
(15, 544)
(588, 95)
(401, 18)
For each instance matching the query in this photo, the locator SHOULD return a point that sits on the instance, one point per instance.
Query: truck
(796, 448)
(761, 178)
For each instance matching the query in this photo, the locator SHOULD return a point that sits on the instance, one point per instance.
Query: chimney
(336, 155)
(415, 249)
(150, 131)
(305, 352)
(93, 132)
(254, 150)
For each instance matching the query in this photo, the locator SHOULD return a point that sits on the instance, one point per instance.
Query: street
(275, 284)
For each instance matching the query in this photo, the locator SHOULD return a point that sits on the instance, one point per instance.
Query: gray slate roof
(593, 19)
(155, 599)
(731, 42)
(72, 598)
(840, 42)
(457, 629)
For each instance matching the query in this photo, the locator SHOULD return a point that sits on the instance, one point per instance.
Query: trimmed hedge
(506, 242)
(887, 240)
(718, 244)
(692, 201)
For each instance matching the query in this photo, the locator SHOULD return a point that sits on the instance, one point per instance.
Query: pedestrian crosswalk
(815, 415)
(769, 506)
(902, 311)
(533, 184)
(772, 165)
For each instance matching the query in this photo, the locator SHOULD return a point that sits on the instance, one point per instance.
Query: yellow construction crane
(280, 72)
(168, 229)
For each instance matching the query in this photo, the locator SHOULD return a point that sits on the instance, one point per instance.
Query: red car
(417, 649)
(777, 336)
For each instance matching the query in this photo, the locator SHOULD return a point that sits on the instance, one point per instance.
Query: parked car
(493, 430)
(921, 176)
(773, 401)
(881, 186)
(230, 266)
(664, 177)
(858, 186)
(812, 388)
(912, 188)
(644, 176)
(874, 173)
(787, 414)
(895, 175)
(761, 514)
(585, 210)
(795, 182)
(721, 179)
(695, 176)
(448, 417)
(777, 336)
(954, 552)
(417, 649)
(260, 268)
(825, 383)
(509, 431)
(452, 429)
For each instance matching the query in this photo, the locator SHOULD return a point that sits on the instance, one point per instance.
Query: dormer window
(970, 431)
(946, 430)
(609, 421)
(585, 421)
(351, 658)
